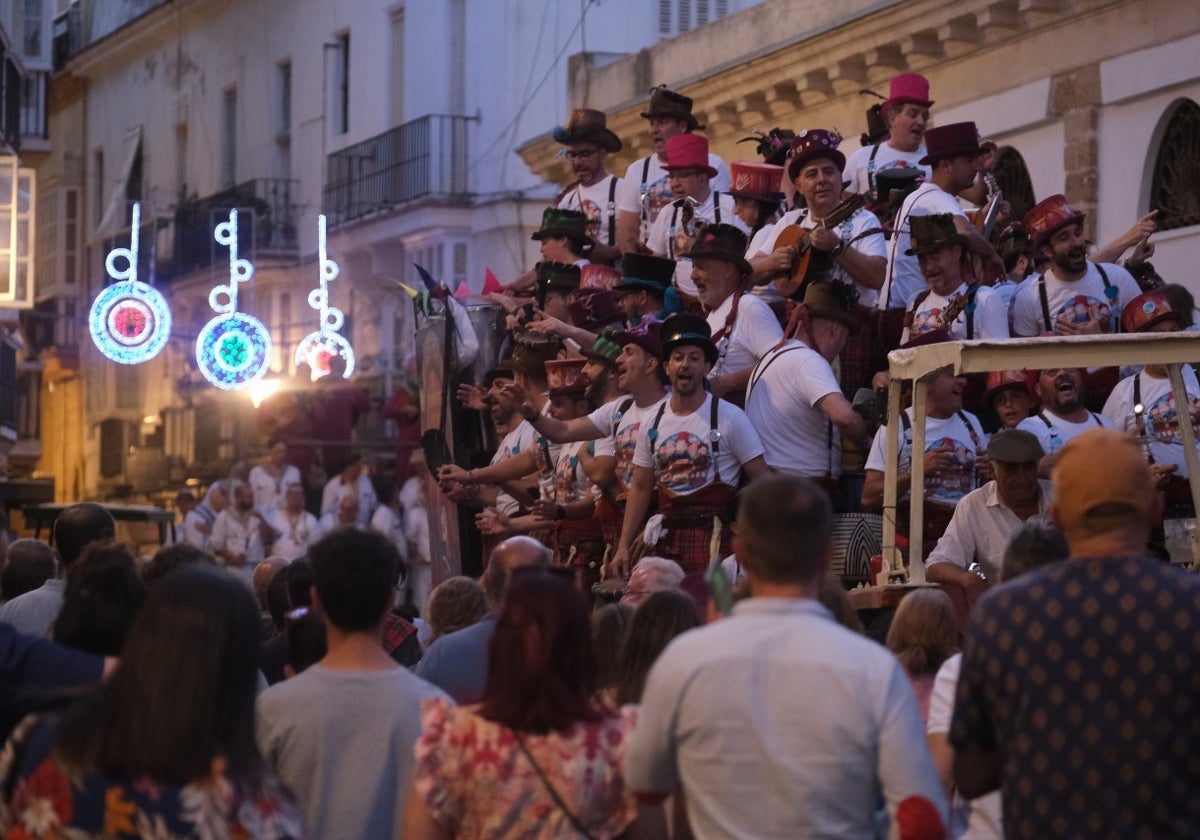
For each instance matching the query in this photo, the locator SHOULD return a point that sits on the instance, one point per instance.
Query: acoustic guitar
(812, 264)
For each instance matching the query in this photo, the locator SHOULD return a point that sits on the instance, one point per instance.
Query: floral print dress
(46, 800)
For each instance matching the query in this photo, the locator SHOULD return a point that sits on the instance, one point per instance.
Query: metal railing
(422, 158)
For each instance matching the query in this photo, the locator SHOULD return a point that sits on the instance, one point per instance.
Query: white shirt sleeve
(656, 241)
(759, 328)
(722, 181)
(736, 429)
(957, 545)
(941, 699)
(1027, 310)
(991, 314)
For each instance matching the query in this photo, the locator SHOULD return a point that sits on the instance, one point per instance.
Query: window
(1012, 177)
(69, 246)
(678, 16)
(229, 139)
(98, 184)
(181, 148)
(1175, 187)
(32, 42)
(283, 110)
(341, 84)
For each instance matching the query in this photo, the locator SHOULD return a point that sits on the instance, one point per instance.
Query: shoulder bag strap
(558, 800)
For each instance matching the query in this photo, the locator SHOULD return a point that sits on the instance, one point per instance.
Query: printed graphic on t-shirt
(926, 320)
(683, 460)
(660, 195)
(1083, 308)
(954, 482)
(626, 445)
(1162, 421)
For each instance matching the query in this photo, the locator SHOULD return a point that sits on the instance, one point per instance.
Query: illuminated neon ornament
(130, 321)
(318, 349)
(234, 349)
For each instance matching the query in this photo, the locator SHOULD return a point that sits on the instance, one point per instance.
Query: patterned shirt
(1084, 678)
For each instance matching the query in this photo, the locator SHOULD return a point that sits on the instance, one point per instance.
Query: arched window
(1012, 177)
(1175, 187)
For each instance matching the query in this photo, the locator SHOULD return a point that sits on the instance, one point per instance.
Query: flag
(426, 278)
(463, 291)
(490, 284)
(411, 291)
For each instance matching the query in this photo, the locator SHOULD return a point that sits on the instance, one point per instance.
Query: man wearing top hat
(953, 152)
(564, 239)
(690, 456)
(1074, 296)
(906, 111)
(793, 397)
(595, 192)
(742, 326)
(648, 189)
(645, 287)
(949, 303)
(856, 247)
(557, 283)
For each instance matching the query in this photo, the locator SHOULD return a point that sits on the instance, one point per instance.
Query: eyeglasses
(686, 173)
(579, 154)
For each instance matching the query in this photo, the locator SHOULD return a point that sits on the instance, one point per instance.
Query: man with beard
(954, 152)
(907, 113)
(692, 453)
(964, 310)
(856, 248)
(742, 325)
(794, 400)
(1074, 296)
(648, 188)
(1063, 415)
(238, 533)
(645, 287)
(596, 191)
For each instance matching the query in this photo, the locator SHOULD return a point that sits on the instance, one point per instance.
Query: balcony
(424, 158)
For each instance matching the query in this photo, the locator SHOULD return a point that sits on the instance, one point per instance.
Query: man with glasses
(595, 191)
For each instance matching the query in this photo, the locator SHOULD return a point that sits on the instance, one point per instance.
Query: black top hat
(646, 271)
(667, 103)
(893, 185)
(569, 223)
(557, 277)
(721, 242)
(687, 330)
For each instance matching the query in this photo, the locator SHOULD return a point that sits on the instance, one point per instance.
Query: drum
(856, 538)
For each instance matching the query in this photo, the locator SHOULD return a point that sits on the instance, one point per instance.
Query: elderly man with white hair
(650, 575)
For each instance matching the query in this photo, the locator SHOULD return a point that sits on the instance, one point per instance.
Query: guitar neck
(845, 210)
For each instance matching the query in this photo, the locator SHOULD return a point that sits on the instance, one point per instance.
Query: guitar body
(811, 264)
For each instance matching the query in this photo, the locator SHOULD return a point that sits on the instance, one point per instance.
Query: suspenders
(1110, 292)
(716, 197)
(714, 434)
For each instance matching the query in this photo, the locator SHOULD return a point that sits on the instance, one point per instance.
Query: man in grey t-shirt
(340, 735)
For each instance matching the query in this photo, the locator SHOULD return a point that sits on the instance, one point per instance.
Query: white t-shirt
(515, 442)
(1054, 437)
(661, 241)
(869, 245)
(390, 522)
(1159, 415)
(571, 483)
(991, 315)
(1077, 300)
(649, 183)
(858, 165)
(295, 536)
(269, 492)
(755, 331)
(951, 484)
(238, 536)
(781, 402)
(595, 203)
(904, 276)
(335, 491)
(766, 291)
(681, 449)
(628, 425)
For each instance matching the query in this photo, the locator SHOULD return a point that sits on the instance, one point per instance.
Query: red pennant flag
(490, 284)
(463, 290)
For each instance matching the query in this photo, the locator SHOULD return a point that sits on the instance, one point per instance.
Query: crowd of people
(658, 646)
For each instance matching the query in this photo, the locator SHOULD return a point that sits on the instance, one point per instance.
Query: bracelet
(470, 477)
(837, 251)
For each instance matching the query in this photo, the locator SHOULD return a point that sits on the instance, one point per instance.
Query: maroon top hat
(667, 103)
(646, 334)
(814, 143)
(595, 308)
(721, 242)
(587, 124)
(759, 181)
(1047, 216)
(1146, 310)
(953, 140)
(908, 88)
(565, 376)
(688, 151)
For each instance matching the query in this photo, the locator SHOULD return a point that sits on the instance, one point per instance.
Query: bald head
(79, 525)
(511, 554)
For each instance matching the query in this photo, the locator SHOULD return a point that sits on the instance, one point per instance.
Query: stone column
(1075, 97)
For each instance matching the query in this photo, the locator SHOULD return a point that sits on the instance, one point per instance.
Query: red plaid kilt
(610, 514)
(689, 545)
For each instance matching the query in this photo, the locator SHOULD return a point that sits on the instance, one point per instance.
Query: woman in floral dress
(166, 748)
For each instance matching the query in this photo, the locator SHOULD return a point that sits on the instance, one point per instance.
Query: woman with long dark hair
(166, 747)
(657, 620)
(540, 756)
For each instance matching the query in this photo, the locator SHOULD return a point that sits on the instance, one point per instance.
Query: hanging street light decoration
(129, 320)
(318, 348)
(234, 349)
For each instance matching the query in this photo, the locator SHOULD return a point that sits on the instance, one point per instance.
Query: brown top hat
(759, 181)
(908, 88)
(598, 276)
(587, 124)
(833, 301)
(811, 144)
(953, 140)
(688, 151)
(931, 232)
(1048, 216)
(595, 308)
(721, 242)
(565, 376)
(559, 222)
(667, 103)
(530, 352)
(1146, 310)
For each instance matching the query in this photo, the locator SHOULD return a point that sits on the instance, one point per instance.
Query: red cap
(908, 88)
(688, 151)
(1047, 216)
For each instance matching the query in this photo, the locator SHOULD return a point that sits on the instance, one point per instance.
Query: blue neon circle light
(233, 350)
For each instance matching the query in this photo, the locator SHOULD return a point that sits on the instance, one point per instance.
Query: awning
(116, 211)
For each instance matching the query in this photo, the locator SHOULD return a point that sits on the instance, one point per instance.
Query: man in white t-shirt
(906, 111)
(794, 399)
(691, 454)
(953, 152)
(588, 142)
(647, 189)
(949, 303)
(854, 249)
(1074, 296)
(1063, 414)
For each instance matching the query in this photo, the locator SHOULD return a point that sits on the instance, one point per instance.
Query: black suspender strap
(621, 409)
(612, 210)
(1041, 284)
(971, 290)
(716, 207)
(714, 436)
(962, 415)
(763, 372)
(871, 172)
(645, 197)
(1111, 296)
(1042, 416)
